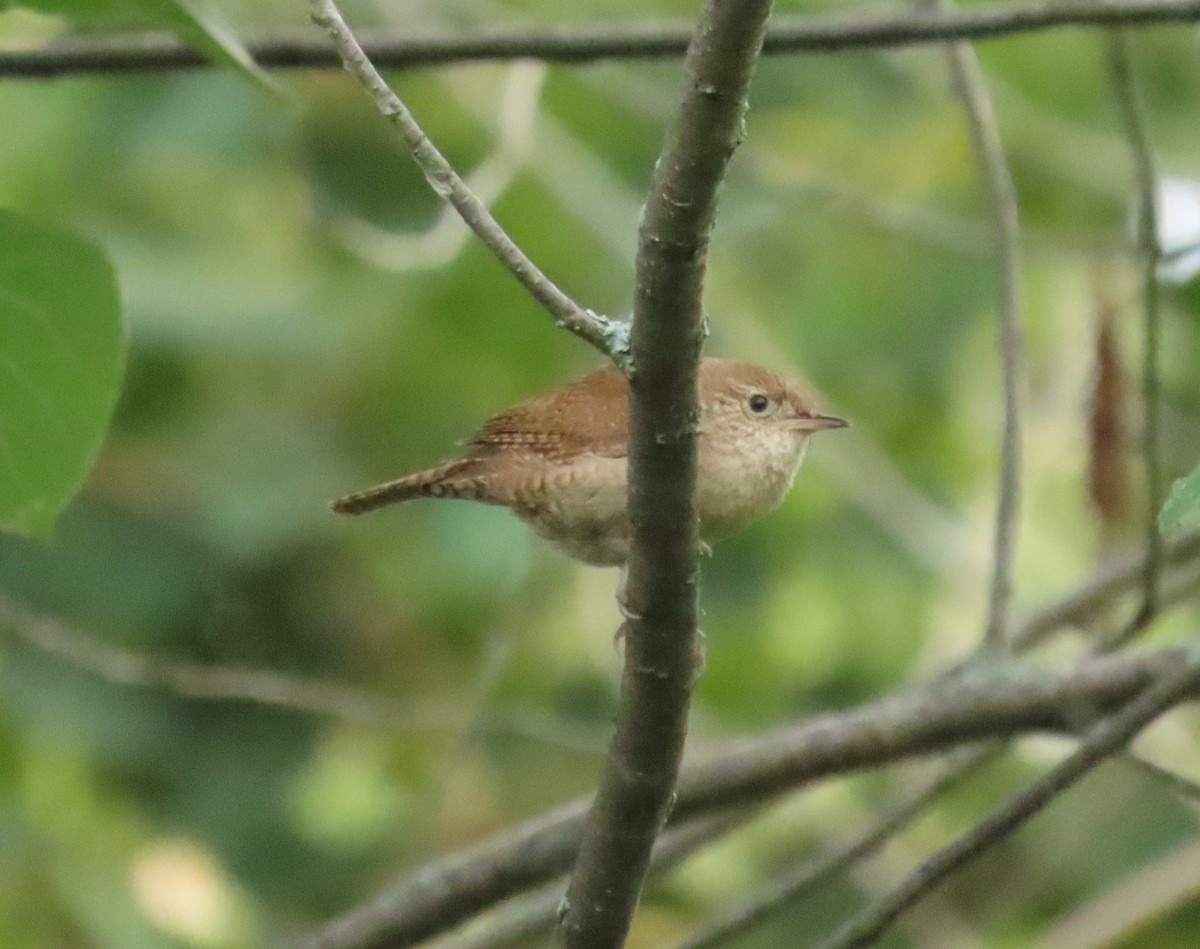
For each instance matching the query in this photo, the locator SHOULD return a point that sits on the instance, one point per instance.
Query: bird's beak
(818, 423)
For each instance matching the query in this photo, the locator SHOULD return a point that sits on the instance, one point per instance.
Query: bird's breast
(738, 486)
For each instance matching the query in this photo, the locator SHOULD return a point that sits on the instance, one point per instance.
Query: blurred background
(304, 320)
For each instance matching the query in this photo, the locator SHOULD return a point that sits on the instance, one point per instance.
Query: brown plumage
(558, 460)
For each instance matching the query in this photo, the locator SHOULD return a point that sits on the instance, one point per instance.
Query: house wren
(558, 460)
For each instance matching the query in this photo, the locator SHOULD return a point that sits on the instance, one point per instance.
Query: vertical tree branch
(523, 921)
(1133, 122)
(638, 782)
(608, 336)
(984, 135)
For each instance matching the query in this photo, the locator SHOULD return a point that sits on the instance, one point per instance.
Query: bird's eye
(758, 403)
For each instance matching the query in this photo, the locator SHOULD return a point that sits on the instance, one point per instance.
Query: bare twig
(610, 337)
(815, 873)
(1178, 784)
(638, 782)
(1101, 740)
(1133, 122)
(984, 135)
(789, 34)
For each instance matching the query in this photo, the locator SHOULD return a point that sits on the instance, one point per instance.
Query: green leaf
(1182, 510)
(213, 37)
(200, 29)
(61, 355)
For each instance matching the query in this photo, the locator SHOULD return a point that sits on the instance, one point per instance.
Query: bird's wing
(588, 416)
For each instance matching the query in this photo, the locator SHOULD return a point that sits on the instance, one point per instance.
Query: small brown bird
(558, 460)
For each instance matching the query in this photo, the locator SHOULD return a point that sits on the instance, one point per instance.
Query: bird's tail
(458, 479)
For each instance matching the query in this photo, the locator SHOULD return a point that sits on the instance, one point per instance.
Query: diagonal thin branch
(1132, 118)
(142, 53)
(1101, 740)
(815, 873)
(1178, 784)
(611, 337)
(984, 134)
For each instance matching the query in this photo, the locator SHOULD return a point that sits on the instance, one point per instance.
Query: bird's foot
(622, 599)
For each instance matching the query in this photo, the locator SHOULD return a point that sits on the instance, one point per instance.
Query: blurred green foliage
(301, 323)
